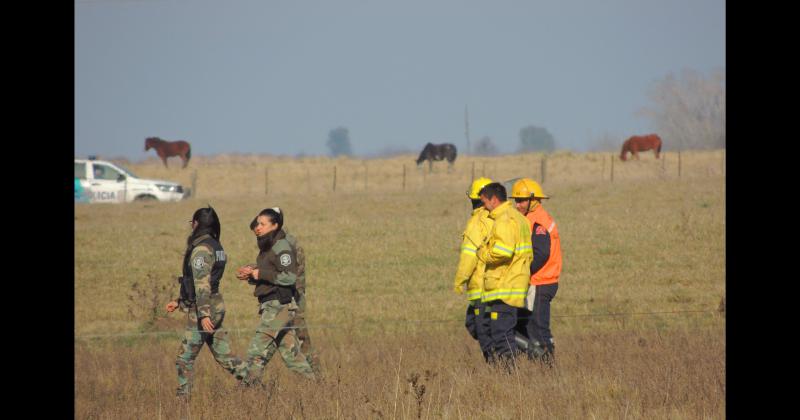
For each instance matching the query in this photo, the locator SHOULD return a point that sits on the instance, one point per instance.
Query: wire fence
(400, 321)
(214, 177)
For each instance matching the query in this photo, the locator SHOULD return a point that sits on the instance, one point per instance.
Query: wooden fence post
(266, 180)
(404, 177)
(473, 172)
(679, 164)
(194, 183)
(542, 167)
(723, 163)
(603, 172)
(612, 167)
(334, 178)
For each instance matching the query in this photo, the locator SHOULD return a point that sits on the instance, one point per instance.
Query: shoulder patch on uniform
(286, 260)
(199, 262)
(540, 230)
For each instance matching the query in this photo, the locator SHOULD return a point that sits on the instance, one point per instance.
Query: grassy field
(637, 320)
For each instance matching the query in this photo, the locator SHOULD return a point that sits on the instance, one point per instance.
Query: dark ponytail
(275, 216)
(207, 223)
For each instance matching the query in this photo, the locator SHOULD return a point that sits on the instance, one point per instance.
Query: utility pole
(466, 128)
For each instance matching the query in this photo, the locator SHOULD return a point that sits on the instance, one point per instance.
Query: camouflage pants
(193, 340)
(302, 335)
(276, 332)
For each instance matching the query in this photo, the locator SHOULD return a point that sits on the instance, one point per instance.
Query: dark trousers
(538, 325)
(502, 319)
(478, 327)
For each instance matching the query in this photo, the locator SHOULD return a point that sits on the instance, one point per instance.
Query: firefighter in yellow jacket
(470, 270)
(507, 255)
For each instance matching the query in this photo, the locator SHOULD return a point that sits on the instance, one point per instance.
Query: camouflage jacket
(301, 262)
(203, 267)
(277, 271)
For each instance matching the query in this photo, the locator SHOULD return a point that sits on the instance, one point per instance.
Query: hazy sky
(248, 76)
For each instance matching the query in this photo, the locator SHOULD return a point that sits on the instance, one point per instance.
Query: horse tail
(454, 153)
(658, 149)
(188, 153)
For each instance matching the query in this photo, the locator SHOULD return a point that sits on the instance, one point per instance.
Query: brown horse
(636, 144)
(167, 149)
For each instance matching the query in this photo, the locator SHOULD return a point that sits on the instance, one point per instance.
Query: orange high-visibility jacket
(508, 255)
(470, 270)
(551, 270)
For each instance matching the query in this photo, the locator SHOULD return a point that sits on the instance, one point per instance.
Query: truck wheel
(145, 197)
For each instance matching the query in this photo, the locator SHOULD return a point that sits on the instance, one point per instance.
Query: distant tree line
(688, 111)
(339, 142)
(531, 139)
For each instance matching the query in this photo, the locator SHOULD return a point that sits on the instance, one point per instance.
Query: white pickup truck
(99, 181)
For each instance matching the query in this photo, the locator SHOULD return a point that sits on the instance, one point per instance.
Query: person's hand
(172, 306)
(243, 272)
(459, 289)
(208, 326)
(255, 273)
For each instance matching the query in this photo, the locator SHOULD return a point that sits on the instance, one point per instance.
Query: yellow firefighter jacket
(470, 270)
(507, 255)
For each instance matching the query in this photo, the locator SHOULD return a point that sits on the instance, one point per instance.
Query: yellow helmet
(527, 188)
(476, 187)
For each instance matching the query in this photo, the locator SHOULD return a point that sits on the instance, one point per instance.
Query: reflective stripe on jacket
(470, 269)
(551, 270)
(507, 255)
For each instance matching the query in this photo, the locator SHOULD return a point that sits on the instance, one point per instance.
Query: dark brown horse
(636, 144)
(167, 149)
(433, 152)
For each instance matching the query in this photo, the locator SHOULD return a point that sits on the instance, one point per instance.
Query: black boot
(536, 350)
(549, 356)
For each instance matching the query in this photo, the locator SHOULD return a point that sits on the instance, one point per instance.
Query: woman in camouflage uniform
(275, 281)
(203, 265)
(242, 273)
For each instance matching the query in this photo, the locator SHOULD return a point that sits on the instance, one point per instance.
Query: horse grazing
(636, 144)
(167, 149)
(433, 152)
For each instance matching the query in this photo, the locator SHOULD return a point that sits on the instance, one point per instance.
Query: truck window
(80, 170)
(105, 172)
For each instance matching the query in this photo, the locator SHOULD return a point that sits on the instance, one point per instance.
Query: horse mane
(626, 147)
(424, 153)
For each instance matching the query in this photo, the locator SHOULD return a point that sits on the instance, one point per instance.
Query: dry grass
(380, 266)
(431, 372)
